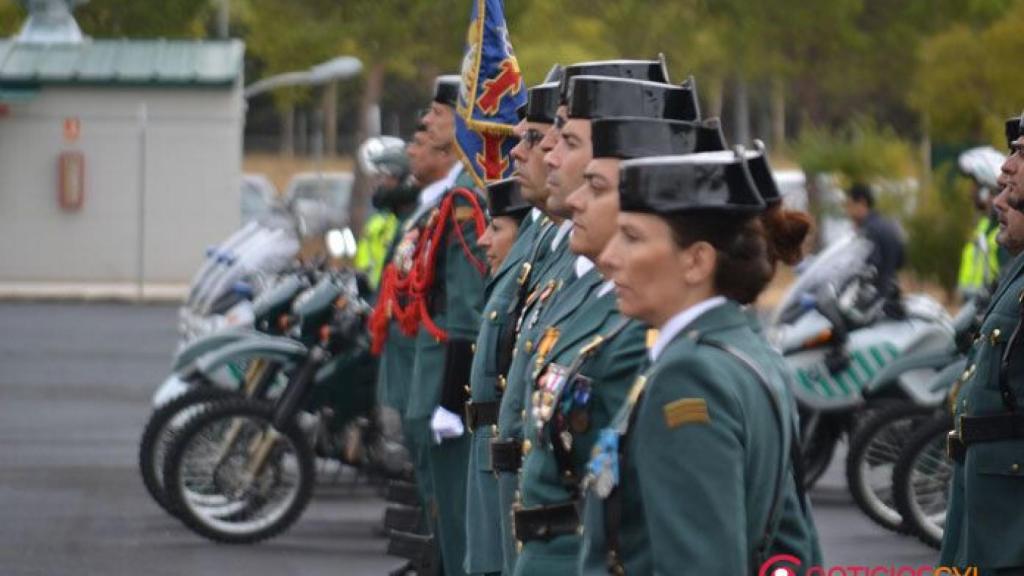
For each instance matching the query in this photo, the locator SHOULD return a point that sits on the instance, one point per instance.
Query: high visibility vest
(979, 261)
(376, 238)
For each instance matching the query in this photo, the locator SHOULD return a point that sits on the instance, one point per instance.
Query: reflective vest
(979, 261)
(376, 238)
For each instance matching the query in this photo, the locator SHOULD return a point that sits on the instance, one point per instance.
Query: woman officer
(694, 474)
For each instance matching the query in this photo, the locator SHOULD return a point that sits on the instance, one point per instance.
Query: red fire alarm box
(71, 178)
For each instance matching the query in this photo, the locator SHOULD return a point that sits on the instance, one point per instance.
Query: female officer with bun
(695, 474)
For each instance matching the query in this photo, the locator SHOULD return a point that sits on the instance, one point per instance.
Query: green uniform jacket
(398, 353)
(985, 518)
(483, 535)
(582, 315)
(456, 303)
(702, 458)
(556, 272)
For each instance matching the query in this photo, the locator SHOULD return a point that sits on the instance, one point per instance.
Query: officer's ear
(698, 261)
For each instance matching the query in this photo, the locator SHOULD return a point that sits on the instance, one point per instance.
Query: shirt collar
(583, 265)
(535, 214)
(605, 288)
(563, 230)
(679, 322)
(433, 191)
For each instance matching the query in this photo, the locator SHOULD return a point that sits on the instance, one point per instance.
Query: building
(120, 160)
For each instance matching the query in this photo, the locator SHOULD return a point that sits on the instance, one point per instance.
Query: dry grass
(281, 168)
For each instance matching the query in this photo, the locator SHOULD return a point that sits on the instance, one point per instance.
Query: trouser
(449, 462)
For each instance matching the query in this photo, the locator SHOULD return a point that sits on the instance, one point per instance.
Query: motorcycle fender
(205, 344)
(890, 374)
(278, 349)
(171, 388)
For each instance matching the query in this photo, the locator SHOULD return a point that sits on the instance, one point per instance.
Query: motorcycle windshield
(834, 265)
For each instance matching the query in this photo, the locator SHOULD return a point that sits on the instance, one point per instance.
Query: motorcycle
(813, 322)
(242, 469)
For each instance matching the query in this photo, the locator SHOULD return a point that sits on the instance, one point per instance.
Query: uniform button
(519, 546)
(529, 346)
(522, 415)
(502, 383)
(965, 403)
(993, 338)
(1015, 468)
(466, 388)
(494, 314)
(527, 446)
(494, 429)
(472, 347)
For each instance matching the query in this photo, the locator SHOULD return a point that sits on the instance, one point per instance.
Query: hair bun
(785, 231)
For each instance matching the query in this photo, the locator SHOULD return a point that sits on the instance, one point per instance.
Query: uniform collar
(563, 230)
(432, 192)
(583, 265)
(679, 322)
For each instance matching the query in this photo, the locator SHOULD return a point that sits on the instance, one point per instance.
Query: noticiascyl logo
(780, 565)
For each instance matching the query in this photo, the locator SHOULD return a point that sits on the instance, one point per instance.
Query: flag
(489, 96)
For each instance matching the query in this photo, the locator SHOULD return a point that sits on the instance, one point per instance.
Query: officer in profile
(985, 517)
(711, 409)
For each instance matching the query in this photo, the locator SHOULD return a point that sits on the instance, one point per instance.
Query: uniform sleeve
(465, 282)
(690, 463)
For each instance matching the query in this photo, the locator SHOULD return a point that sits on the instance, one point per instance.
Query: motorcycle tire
(922, 478)
(251, 515)
(164, 423)
(875, 447)
(818, 449)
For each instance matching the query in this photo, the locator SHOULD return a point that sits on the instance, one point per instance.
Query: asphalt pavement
(75, 387)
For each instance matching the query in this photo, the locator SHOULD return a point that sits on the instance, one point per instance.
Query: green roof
(131, 62)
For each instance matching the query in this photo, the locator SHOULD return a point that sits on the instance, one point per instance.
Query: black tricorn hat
(542, 103)
(710, 137)
(596, 97)
(1013, 130)
(446, 89)
(761, 172)
(505, 199)
(710, 181)
(637, 137)
(650, 70)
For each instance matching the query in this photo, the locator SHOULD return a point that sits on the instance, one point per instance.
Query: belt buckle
(952, 438)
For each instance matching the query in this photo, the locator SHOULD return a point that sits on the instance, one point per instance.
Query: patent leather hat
(636, 137)
(593, 97)
(446, 89)
(709, 181)
(650, 70)
(504, 198)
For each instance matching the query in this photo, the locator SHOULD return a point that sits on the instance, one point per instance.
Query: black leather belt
(545, 522)
(506, 455)
(990, 428)
(481, 414)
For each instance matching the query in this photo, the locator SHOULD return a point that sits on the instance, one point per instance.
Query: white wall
(190, 148)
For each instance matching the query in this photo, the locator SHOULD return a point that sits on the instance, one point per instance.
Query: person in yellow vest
(981, 257)
(385, 162)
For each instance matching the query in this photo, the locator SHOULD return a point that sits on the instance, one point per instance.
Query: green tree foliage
(939, 228)
(11, 17)
(861, 151)
(163, 19)
(966, 81)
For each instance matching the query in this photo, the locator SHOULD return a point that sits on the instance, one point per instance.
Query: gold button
(494, 314)
(1015, 468)
(993, 338)
(466, 388)
(529, 346)
(522, 415)
(527, 446)
(965, 403)
(519, 546)
(579, 529)
(502, 383)
(472, 347)
(494, 429)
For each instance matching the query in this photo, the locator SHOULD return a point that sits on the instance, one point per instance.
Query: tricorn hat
(709, 181)
(1013, 130)
(505, 199)
(594, 97)
(542, 103)
(637, 137)
(446, 89)
(650, 70)
(710, 137)
(761, 172)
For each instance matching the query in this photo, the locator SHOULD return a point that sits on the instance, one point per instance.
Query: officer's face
(416, 150)
(497, 240)
(654, 277)
(566, 162)
(642, 260)
(594, 207)
(440, 123)
(1010, 201)
(530, 171)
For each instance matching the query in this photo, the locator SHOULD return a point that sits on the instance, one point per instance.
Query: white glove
(445, 425)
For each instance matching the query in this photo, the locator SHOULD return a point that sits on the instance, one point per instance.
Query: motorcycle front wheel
(922, 478)
(234, 478)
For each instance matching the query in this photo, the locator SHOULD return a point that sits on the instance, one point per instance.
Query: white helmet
(373, 149)
(983, 165)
